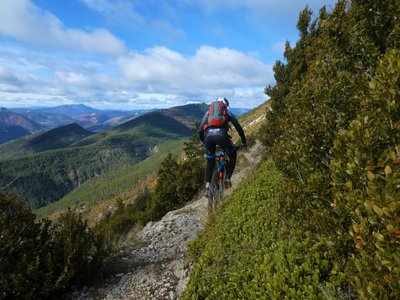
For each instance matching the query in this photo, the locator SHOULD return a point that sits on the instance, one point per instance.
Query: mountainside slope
(46, 119)
(57, 138)
(157, 125)
(52, 174)
(9, 118)
(11, 133)
(99, 193)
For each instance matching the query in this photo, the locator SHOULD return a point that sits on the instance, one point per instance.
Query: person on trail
(214, 131)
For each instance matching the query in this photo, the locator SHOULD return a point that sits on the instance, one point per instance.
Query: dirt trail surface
(155, 266)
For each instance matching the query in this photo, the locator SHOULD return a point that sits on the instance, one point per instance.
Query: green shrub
(125, 217)
(25, 257)
(247, 252)
(37, 259)
(366, 177)
(332, 131)
(78, 253)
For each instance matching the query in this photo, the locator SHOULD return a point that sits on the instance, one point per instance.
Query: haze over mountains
(17, 122)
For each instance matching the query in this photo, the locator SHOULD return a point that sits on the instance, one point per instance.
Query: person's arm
(238, 127)
(201, 128)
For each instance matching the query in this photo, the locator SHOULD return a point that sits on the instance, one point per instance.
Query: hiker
(214, 131)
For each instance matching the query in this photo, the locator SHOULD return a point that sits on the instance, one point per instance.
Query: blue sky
(128, 54)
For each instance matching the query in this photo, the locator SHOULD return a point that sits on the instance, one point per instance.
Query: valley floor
(155, 265)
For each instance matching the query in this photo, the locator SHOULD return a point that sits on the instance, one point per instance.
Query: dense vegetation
(333, 132)
(113, 183)
(40, 259)
(246, 254)
(46, 177)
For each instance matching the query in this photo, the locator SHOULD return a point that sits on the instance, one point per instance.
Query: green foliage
(165, 197)
(366, 177)
(332, 130)
(78, 253)
(38, 259)
(178, 182)
(113, 182)
(24, 261)
(247, 251)
(125, 217)
(45, 177)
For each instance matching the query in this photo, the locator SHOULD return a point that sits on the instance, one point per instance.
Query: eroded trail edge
(155, 265)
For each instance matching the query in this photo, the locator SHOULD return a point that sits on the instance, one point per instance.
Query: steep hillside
(57, 138)
(251, 122)
(9, 118)
(46, 177)
(95, 196)
(11, 133)
(150, 127)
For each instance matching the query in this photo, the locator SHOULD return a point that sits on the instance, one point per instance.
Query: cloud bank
(156, 77)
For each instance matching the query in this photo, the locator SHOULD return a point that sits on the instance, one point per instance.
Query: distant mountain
(57, 138)
(11, 133)
(46, 119)
(124, 118)
(9, 118)
(70, 110)
(46, 176)
(85, 116)
(91, 119)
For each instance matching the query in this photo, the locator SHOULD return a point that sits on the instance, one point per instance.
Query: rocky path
(154, 266)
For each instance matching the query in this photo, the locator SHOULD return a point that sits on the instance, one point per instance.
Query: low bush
(249, 252)
(40, 259)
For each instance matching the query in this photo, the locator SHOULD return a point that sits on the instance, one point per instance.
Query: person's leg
(210, 151)
(230, 149)
(232, 164)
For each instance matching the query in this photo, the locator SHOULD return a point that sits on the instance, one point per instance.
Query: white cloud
(22, 20)
(158, 77)
(161, 68)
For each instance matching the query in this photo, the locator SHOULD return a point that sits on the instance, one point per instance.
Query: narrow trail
(154, 266)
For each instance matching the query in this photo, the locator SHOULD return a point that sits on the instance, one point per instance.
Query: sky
(136, 54)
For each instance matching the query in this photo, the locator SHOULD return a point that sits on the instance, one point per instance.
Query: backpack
(217, 115)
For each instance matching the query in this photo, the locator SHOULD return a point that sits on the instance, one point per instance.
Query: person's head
(224, 100)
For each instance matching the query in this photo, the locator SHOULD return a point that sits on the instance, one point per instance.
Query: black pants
(214, 137)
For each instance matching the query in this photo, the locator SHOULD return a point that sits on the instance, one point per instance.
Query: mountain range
(43, 167)
(19, 122)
